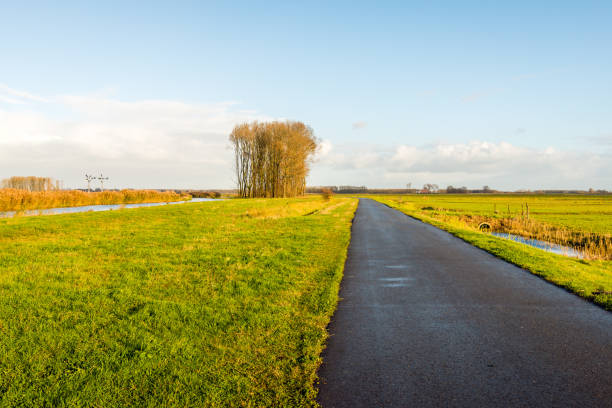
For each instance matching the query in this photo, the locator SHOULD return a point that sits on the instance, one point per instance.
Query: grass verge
(590, 279)
(205, 304)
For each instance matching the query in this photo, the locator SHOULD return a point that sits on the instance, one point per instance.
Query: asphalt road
(427, 320)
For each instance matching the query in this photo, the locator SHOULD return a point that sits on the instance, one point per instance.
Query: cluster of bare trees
(272, 158)
(31, 183)
(430, 188)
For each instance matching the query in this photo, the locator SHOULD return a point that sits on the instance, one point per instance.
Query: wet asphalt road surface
(427, 320)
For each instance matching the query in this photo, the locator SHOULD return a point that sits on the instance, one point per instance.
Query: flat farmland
(591, 213)
(204, 304)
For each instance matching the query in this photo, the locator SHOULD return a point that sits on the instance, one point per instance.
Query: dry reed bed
(22, 200)
(593, 246)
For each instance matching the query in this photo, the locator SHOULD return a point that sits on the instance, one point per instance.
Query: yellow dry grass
(22, 200)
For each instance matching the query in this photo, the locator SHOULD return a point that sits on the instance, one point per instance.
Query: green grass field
(202, 304)
(592, 213)
(589, 278)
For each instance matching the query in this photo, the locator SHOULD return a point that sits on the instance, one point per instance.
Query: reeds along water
(593, 246)
(21, 200)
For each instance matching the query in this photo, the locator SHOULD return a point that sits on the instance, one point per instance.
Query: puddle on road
(395, 282)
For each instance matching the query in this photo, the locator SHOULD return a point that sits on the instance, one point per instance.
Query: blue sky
(509, 94)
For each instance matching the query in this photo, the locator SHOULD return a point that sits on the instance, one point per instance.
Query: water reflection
(547, 246)
(87, 208)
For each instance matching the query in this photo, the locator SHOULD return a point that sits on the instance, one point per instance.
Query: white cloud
(360, 125)
(9, 100)
(475, 96)
(500, 165)
(151, 143)
(603, 140)
(324, 149)
(163, 143)
(19, 97)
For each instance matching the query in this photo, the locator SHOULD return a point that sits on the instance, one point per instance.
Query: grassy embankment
(584, 222)
(203, 304)
(22, 200)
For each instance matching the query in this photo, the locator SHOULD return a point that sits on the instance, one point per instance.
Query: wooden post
(527, 205)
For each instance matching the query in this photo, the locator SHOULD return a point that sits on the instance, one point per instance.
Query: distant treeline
(272, 159)
(589, 191)
(356, 190)
(433, 189)
(200, 193)
(31, 183)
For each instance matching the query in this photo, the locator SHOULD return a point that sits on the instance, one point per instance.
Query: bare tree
(30, 183)
(272, 159)
(430, 188)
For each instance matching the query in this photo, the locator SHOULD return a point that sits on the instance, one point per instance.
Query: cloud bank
(473, 164)
(174, 144)
(144, 144)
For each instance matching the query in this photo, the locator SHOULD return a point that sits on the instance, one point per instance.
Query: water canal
(547, 246)
(88, 208)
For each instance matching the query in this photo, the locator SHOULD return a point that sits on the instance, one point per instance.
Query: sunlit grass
(581, 222)
(204, 304)
(589, 213)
